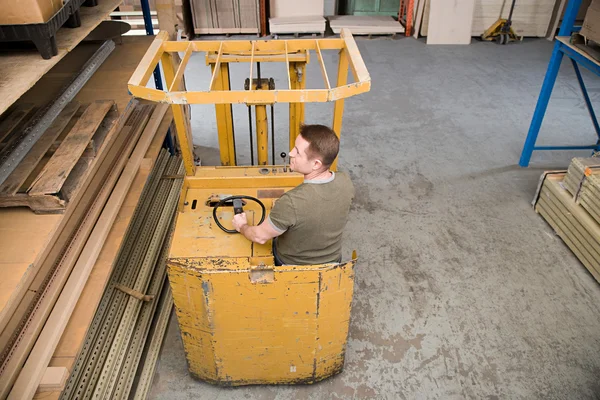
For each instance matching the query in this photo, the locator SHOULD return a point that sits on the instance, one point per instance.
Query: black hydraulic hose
(230, 198)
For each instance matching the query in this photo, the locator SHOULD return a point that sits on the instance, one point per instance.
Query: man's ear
(317, 164)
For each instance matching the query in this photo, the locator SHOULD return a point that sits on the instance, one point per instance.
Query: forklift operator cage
(218, 52)
(294, 53)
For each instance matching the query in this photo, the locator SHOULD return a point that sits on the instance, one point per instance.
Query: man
(307, 221)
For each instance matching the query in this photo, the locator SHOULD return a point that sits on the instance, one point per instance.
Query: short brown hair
(324, 143)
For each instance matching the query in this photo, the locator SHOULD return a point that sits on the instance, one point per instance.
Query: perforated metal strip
(116, 354)
(136, 346)
(153, 349)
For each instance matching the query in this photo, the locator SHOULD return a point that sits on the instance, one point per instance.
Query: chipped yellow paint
(244, 321)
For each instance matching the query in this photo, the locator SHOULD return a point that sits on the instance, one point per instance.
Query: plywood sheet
(20, 71)
(451, 21)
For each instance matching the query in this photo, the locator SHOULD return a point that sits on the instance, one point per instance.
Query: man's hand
(239, 220)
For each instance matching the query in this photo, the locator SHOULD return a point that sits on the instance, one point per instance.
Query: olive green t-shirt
(311, 218)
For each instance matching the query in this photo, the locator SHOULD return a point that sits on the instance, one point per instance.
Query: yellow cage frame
(295, 53)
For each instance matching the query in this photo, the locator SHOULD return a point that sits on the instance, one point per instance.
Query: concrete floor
(462, 290)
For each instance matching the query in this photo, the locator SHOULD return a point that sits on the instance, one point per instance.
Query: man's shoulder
(343, 180)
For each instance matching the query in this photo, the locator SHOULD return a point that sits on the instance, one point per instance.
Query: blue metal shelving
(562, 47)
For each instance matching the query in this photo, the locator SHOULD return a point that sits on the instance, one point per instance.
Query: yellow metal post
(262, 134)
(183, 133)
(298, 82)
(338, 108)
(224, 116)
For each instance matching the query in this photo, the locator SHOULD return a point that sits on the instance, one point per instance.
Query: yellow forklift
(242, 319)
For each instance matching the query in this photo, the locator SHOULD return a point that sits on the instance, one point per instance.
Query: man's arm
(258, 234)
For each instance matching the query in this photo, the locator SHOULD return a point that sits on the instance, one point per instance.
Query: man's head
(315, 149)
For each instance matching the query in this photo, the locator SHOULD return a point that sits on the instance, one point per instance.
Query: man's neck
(318, 175)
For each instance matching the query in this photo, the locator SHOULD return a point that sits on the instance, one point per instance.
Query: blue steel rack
(562, 47)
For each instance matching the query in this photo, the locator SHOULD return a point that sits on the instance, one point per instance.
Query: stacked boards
(225, 16)
(288, 16)
(365, 25)
(570, 203)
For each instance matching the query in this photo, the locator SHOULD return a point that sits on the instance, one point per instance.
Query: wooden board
(20, 71)
(565, 41)
(54, 378)
(24, 236)
(16, 179)
(13, 120)
(56, 171)
(451, 21)
(419, 18)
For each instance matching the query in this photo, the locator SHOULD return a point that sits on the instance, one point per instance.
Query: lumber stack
(31, 333)
(289, 16)
(54, 170)
(226, 17)
(54, 267)
(570, 203)
(365, 25)
(531, 18)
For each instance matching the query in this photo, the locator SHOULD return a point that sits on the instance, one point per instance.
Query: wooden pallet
(55, 168)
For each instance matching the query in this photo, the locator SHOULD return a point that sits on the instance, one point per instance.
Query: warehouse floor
(462, 290)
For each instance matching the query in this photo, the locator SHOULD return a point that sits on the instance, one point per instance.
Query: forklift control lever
(237, 209)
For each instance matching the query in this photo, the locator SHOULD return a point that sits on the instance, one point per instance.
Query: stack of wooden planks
(54, 170)
(365, 25)
(449, 20)
(226, 16)
(570, 202)
(54, 267)
(289, 16)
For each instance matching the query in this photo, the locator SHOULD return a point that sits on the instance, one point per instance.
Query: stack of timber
(365, 25)
(33, 331)
(570, 203)
(54, 267)
(531, 18)
(289, 16)
(54, 170)
(297, 25)
(225, 17)
(114, 344)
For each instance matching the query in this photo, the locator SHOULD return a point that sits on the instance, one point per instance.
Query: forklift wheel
(502, 38)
